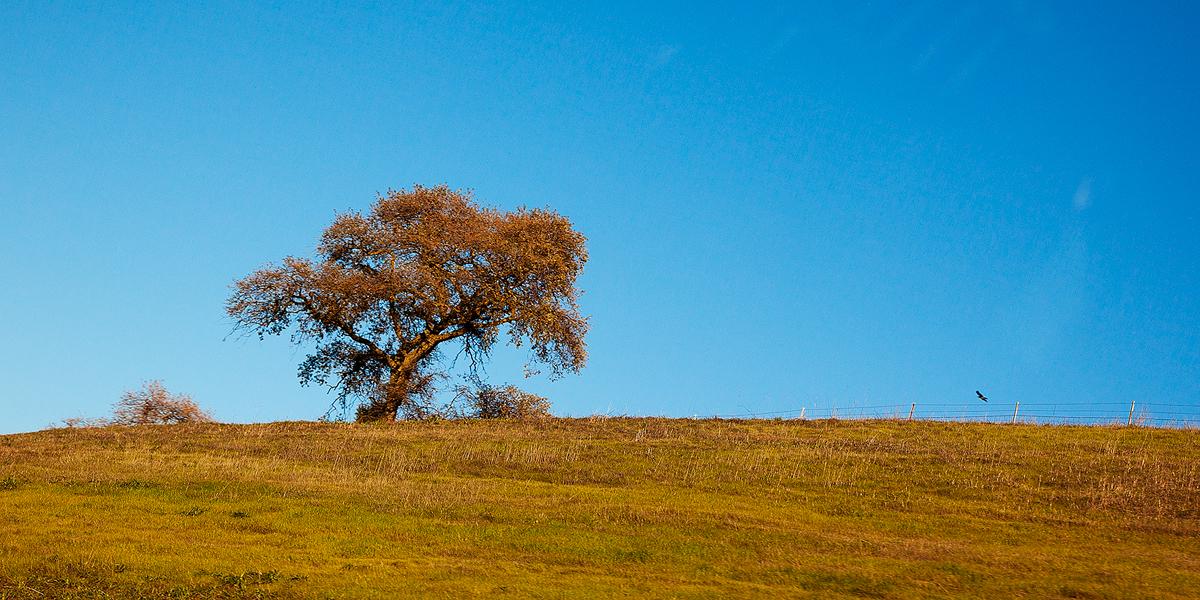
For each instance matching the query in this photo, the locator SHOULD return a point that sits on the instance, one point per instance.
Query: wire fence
(1099, 413)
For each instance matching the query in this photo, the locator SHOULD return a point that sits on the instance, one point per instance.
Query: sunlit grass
(601, 508)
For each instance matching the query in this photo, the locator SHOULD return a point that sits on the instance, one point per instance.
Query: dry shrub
(84, 422)
(503, 402)
(151, 405)
(154, 405)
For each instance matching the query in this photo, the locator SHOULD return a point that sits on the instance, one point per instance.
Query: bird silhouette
(980, 396)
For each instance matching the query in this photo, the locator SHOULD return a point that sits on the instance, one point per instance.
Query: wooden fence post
(1015, 412)
(912, 410)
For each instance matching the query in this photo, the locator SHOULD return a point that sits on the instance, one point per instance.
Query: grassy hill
(601, 507)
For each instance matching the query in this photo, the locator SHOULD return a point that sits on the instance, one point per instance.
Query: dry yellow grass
(602, 507)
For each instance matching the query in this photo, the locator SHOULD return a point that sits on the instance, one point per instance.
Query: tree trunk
(394, 395)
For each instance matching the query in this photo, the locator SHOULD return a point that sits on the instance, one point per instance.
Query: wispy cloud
(664, 55)
(1083, 194)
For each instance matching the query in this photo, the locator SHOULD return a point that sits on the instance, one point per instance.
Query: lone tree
(421, 268)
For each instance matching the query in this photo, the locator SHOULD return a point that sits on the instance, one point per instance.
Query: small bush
(505, 402)
(84, 422)
(151, 405)
(154, 405)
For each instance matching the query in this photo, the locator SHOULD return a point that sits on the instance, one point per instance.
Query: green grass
(600, 507)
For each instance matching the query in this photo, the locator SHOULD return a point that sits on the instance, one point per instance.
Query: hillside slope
(601, 507)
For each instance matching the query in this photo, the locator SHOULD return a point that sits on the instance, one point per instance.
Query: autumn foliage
(420, 269)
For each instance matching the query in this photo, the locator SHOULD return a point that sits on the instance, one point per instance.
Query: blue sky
(787, 205)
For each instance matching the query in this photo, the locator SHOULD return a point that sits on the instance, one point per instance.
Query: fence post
(802, 412)
(1131, 404)
(1015, 412)
(912, 410)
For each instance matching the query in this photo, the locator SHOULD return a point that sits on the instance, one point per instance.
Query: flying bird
(980, 396)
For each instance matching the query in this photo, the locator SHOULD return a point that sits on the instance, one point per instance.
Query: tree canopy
(421, 268)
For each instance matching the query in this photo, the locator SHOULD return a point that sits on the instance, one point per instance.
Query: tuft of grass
(601, 507)
(84, 580)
